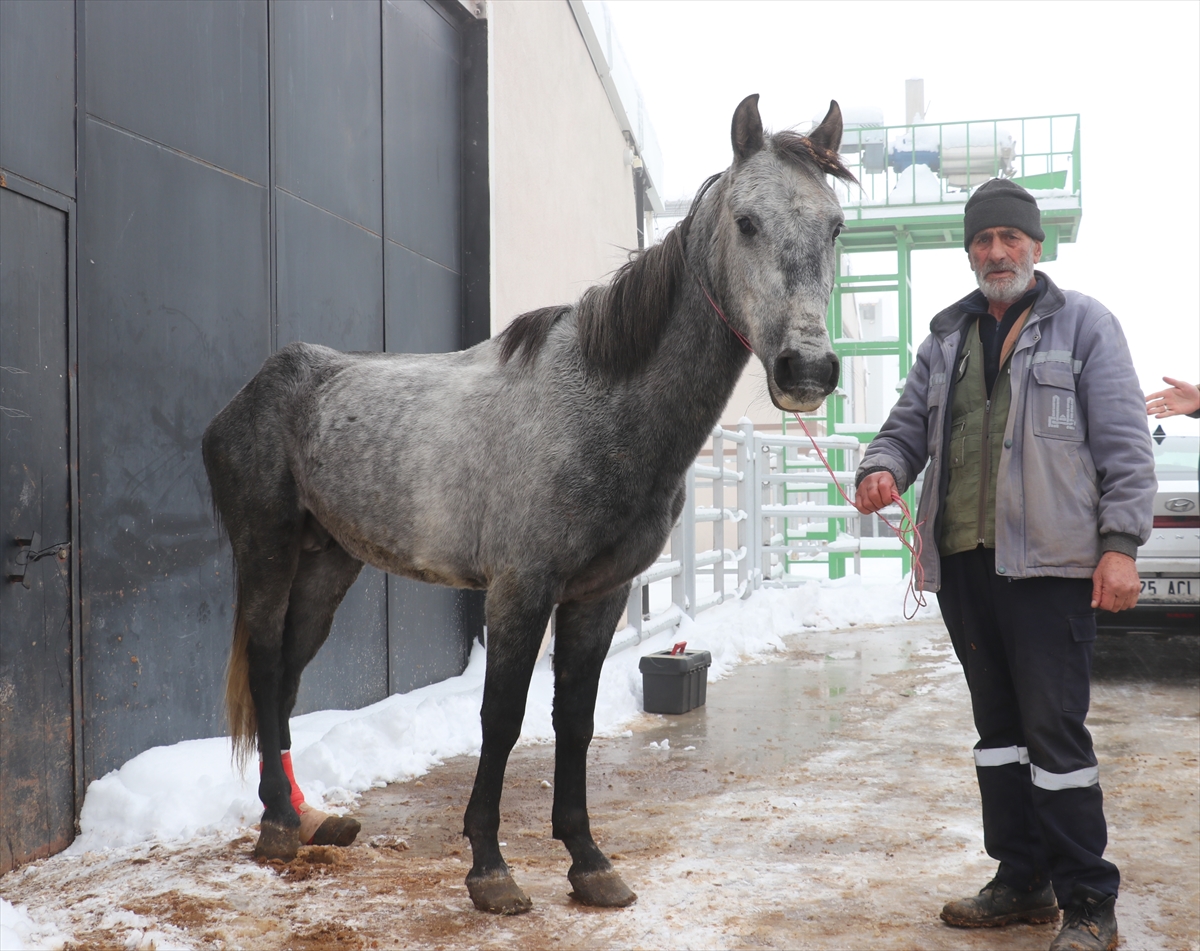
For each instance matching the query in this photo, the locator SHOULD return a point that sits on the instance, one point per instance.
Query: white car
(1169, 563)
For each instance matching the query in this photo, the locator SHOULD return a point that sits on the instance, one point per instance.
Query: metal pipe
(718, 501)
(668, 618)
(659, 572)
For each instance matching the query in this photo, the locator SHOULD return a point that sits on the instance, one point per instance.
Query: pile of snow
(916, 185)
(1041, 193)
(19, 930)
(177, 792)
(954, 135)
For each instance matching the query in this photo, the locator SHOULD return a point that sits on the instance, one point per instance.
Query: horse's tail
(239, 705)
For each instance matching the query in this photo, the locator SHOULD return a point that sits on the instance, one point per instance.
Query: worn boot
(997, 904)
(1089, 922)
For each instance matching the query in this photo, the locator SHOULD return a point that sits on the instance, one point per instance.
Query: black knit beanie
(1001, 204)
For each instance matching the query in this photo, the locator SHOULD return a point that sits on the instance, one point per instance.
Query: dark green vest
(976, 441)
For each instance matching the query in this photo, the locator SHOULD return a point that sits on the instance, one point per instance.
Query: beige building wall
(563, 206)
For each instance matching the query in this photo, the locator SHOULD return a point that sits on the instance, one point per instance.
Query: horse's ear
(828, 135)
(747, 130)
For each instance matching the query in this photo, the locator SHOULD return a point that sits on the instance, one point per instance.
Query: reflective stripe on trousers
(1077, 779)
(1042, 778)
(1001, 756)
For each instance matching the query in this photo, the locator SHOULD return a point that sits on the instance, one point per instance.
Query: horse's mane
(526, 333)
(620, 323)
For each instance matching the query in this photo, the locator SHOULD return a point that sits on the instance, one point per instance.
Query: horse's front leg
(583, 635)
(516, 617)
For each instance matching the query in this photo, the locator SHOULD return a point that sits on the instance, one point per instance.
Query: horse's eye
(746, 227)
(836, 232)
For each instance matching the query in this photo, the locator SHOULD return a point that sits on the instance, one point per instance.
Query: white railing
(768, 531)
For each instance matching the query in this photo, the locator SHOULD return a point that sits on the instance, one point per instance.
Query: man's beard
(1011, 290)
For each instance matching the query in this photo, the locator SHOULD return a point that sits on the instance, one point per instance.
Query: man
(1039, 490)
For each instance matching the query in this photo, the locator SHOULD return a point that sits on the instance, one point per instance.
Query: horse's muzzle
(800, 381)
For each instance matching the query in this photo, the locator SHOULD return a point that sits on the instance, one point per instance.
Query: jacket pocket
(1085, 474)
(1077, 671)
(1053, 404)
(1060, 502)
(958, 453)
(958, 445)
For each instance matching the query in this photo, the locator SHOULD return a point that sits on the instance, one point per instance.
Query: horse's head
(772, 227)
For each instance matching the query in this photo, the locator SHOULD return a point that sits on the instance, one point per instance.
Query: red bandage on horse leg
(297, 795)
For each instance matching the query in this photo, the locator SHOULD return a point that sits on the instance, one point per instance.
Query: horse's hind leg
(516, 616)
(264, 581)
(583, 635)
(323, 576)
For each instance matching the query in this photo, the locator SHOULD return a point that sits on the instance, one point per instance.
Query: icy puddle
(763, 717)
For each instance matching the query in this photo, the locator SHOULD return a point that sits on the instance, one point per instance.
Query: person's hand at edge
(1182, 399)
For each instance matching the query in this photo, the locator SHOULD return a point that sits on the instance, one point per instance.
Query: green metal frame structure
(915, 181)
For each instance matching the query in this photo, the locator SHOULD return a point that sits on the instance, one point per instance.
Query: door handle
(30, 550)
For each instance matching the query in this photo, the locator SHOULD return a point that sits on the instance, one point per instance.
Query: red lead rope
(903, 529)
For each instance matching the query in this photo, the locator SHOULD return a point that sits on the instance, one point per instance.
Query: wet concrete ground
(825, 799)
(830, 796)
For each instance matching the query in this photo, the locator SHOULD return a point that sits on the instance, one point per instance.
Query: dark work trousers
(1026, 649)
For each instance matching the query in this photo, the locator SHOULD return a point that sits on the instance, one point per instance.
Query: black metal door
(247, 173)
(36, 724)
(251, 175)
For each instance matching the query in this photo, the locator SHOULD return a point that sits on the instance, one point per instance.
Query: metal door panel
(422, 129)
(330, 278)
(173, 313)
(327, 106)
(331, 292)
(351, 670)
(429, 627)
(427, 639)
(424, 304)
(36, 730)
(190, 74)
(37, 91)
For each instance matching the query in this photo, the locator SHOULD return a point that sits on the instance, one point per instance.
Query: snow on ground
(19, 930)
(191, 789)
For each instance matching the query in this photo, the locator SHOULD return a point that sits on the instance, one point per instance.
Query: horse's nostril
(789, 369)
(792, 370)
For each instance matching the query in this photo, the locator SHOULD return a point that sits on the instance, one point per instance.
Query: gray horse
(545, 465)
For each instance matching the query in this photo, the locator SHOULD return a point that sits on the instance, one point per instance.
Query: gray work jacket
(1076, 475)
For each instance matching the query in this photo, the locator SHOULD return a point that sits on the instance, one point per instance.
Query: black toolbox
(674, 681)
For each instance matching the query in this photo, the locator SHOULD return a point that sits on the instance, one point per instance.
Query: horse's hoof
(277, 842)
(602, 888)
(336, 830)
(497, 893)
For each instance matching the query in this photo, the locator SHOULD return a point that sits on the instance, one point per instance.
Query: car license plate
(1170, 590)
